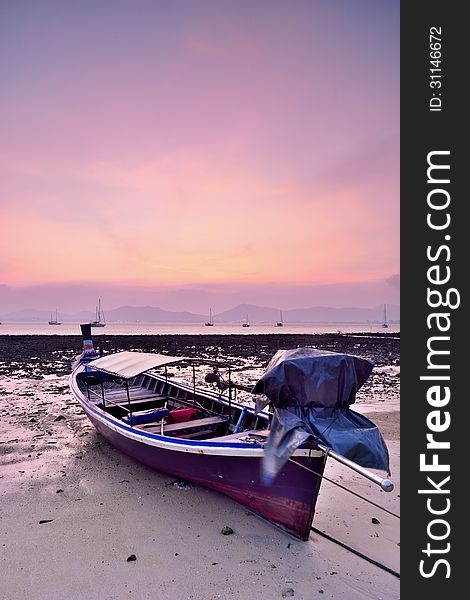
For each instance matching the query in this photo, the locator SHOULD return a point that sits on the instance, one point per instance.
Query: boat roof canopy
(129, 364)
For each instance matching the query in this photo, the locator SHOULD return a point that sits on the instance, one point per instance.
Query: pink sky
(199, 143)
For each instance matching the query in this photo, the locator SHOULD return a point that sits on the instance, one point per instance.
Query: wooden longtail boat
(197, 434)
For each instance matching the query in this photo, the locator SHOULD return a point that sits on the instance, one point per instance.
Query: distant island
(258, 314)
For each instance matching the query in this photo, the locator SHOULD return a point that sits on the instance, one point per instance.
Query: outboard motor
(217, 379)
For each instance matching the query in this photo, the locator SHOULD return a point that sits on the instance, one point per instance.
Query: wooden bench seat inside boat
(180, 427)
(136, 402)
(121, 390)
(121, 397)
(119, 406)
(241, 435)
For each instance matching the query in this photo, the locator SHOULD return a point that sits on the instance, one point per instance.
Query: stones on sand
(180, 484)
(226, 530)
(131, 558)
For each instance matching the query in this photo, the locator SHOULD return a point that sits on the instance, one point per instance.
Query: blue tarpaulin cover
(310, 392)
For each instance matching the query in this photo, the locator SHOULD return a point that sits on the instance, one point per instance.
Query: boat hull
(233, 469)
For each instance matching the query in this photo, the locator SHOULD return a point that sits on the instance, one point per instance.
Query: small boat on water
(99, 317)
(55, 321)
(280, 323)
(384, 320)
(210, 322)
(270, 461)
(246, 322)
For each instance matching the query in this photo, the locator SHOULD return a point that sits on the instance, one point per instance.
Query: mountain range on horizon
(259, 314)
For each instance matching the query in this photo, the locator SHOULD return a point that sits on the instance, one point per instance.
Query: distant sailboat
(385, 322)
(210, 322)
(99, 317)
(56, 320)
(246, 323)
(280, 323)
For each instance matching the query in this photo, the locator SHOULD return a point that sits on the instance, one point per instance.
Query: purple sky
(194, 152)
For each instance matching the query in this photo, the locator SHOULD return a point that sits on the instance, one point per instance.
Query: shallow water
(195, 328)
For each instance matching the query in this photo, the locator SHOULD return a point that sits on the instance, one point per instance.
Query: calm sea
(194, 328)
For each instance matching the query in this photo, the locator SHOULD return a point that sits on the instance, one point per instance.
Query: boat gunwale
(244, 449)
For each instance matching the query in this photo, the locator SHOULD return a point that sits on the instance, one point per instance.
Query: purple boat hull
(226, 467)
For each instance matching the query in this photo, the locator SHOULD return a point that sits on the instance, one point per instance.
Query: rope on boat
(345, 488)
(339, 542)
(356, 552)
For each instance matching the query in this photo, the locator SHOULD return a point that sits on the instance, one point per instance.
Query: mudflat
(79, 520)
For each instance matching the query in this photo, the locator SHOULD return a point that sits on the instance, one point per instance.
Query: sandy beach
(82, 521)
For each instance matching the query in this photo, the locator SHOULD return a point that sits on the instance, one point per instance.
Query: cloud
(192, 146)
(394, 281)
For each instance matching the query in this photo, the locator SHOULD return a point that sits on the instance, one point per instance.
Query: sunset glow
(183, 143)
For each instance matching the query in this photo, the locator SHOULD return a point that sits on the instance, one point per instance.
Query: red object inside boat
(180, 415)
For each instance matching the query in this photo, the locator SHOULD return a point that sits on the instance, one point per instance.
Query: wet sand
(73, 510)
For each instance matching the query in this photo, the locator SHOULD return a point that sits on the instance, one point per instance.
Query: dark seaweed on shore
(34, 356)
